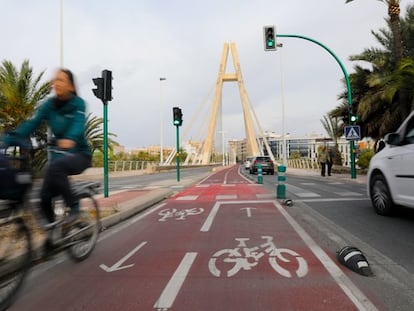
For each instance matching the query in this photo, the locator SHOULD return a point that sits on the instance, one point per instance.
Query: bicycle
(18, 251)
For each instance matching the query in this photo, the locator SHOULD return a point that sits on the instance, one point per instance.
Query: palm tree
(381, 98)
(95, 135)
(394, 15)
(20, 91)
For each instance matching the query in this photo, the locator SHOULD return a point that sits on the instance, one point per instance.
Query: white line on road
(349, 288)
(332, 199)
(170, 292)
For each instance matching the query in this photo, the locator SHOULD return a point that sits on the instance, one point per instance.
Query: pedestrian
(322, 159)
(329, 161)
(65, 115)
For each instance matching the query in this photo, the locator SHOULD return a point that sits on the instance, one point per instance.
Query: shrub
(365, 157)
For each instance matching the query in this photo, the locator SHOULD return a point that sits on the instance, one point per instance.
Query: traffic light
(107, 82)
(353, 115)
(354, 118)
(99, 91)
(177, 116)
(269, 36)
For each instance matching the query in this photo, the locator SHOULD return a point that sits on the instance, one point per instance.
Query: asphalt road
(171, 257)
(339, 213)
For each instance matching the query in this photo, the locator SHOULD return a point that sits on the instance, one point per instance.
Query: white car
(390, 179)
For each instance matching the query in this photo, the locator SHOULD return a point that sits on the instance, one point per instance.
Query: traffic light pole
(105, 128)
(348, 86)
(178, 150)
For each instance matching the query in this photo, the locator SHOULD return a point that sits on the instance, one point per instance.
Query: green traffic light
(354, 118)
(270, 43)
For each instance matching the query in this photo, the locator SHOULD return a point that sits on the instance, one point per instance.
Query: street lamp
(61, 33)
(161, 122)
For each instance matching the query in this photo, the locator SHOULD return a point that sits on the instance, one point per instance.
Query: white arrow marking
(117, 266)
(249, 211)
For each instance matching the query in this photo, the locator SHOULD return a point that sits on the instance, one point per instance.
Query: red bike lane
(223, 244)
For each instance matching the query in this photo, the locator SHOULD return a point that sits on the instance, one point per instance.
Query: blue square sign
(353, 132)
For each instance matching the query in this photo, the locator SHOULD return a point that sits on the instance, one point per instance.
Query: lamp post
(61, 33)
(161, 124)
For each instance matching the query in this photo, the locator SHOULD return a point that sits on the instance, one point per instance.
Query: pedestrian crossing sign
(353, 132)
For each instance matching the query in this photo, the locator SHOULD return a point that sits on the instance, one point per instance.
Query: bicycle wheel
(15, 259)
(87, 229)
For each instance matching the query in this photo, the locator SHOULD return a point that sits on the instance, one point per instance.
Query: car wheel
(380, 196)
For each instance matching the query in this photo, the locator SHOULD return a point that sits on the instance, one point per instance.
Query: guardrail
(303, 163)
(121, 166)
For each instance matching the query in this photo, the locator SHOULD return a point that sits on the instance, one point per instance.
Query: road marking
(226, 197)
(307, 194)
(353, 292)
(332, 199)
(249, 211)
(348, 194)
(170, 292)
(187, 198)
(210, 218)
(117, 266)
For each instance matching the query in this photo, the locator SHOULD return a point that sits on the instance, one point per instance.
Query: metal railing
(121, 166)
(304, 163)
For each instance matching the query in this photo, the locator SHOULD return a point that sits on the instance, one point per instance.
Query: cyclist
(70, 153)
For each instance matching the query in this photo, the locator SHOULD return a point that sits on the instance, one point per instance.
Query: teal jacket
(66, 121)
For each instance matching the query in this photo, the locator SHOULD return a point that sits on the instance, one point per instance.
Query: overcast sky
(182, 40)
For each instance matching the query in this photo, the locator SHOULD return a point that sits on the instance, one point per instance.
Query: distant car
(248, 162)
(266, 163)
(390, 178)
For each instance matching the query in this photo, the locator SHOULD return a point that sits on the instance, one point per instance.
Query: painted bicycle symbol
(179, 214)
(243, 257)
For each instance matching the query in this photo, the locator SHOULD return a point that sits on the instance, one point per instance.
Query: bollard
(281, 178)
(259, 174)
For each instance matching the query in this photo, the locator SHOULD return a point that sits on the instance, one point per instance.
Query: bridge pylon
(208, 144)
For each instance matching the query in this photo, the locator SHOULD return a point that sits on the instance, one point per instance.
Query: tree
(382, 96)
(394, 15)
(20, 91)
(94, 134)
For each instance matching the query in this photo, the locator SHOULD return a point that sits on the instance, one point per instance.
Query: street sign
(353, 132)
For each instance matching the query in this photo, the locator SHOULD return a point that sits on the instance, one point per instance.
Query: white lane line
(348, 194)
(332, 199)
(226, 197)
(353, 292)
(207, 224)
(170, 292)
(307, 195)
(187, 198)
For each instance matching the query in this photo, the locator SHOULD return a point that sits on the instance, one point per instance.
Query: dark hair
(71, 78)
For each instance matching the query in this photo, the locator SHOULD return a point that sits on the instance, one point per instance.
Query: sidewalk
(361, 179)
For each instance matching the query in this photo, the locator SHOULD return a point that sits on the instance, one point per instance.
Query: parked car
(390, 179)
(248, 163)
(266, 163)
